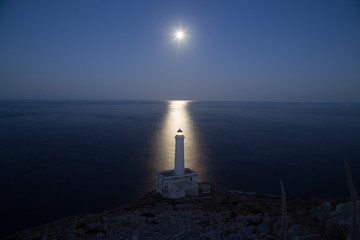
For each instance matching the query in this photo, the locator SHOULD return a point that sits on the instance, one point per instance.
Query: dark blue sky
(235, 50)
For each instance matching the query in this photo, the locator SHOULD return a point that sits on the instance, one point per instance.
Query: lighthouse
(180, 182)
(179, 153)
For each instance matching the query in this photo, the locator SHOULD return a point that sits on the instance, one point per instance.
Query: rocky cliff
(217, 215)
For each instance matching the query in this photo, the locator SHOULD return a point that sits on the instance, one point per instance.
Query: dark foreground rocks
(213, 216)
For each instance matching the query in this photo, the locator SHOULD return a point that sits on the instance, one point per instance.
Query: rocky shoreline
(217, 215)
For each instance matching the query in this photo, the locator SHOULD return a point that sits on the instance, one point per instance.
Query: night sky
(301, 51)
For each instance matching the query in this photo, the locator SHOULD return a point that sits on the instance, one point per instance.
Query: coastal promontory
(217, 215)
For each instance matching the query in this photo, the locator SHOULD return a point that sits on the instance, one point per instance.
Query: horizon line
(162, 100)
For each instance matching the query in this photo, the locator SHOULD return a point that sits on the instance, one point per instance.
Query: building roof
(171, 174)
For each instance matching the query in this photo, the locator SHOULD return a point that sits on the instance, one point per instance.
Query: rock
(246, 235)
(263, 229)
(343, 211)
(213, 235)
(343, 214)
(214, 216)
(323, 211)
(100, 235)
(233, 237)
(324, 207)
(276, 227)
(248, 230)
(341, 218)
(297, 230)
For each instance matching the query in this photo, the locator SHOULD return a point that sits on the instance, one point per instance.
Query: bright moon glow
(179, 35)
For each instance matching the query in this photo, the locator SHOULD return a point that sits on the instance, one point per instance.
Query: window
(191, 179)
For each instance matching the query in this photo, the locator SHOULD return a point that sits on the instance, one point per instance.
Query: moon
(179, 35)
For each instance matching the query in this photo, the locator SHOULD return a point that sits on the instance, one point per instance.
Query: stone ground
(217, 215)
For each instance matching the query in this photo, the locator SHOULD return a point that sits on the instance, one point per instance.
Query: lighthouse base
(173, 186)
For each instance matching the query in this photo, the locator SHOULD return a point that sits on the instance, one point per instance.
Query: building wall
(160, 184)
(192, 190)
(178, 187)
(192, 178)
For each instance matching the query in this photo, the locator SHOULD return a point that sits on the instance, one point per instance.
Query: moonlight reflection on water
(177, 117)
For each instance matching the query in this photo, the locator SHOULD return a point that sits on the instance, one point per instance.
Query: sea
(63, 158)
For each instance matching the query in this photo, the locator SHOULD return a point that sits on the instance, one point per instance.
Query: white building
(180, 182)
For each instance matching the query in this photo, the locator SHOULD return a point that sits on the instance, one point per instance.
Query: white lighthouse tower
(181, 181)
(179, 153)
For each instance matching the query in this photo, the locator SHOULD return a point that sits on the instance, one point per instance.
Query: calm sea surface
(64, 158)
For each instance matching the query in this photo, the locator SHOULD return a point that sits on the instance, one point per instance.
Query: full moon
(179, 35)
